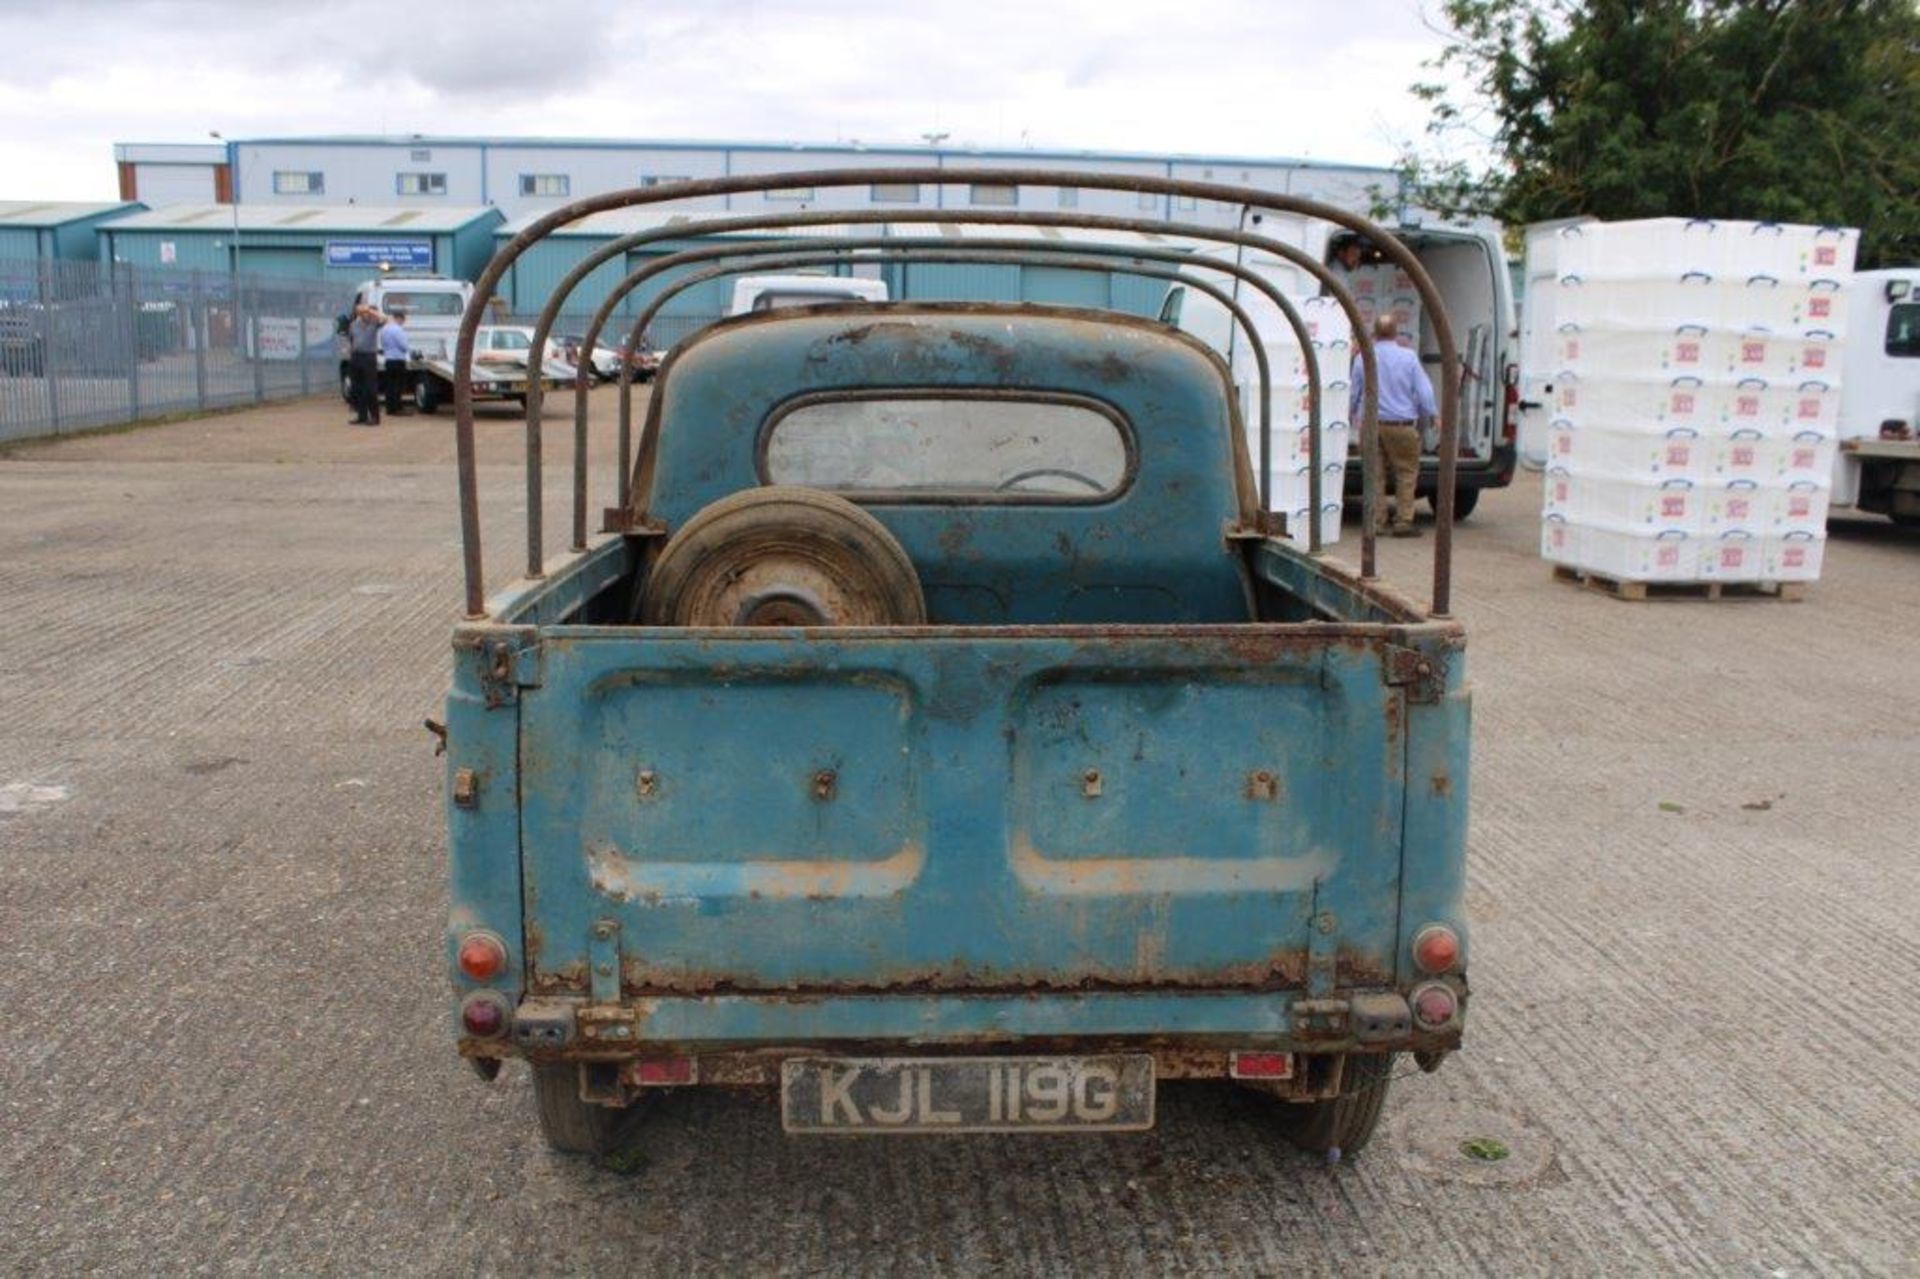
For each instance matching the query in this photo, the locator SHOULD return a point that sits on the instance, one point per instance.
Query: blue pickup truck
(946, 741)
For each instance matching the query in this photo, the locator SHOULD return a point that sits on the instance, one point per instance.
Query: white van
(1469, 268)
(1878, 465)
(772, 292)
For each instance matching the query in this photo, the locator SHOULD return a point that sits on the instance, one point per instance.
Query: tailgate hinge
(1424, 677)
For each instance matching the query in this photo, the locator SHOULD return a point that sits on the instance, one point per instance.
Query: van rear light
(662, 1072)
(1510, 419)
(484, 1015)
(1260, 1065)
(1435, 1006)
(482, 956)
(1436, 948)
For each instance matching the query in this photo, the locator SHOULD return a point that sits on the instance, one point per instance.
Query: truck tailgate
(1041, 809)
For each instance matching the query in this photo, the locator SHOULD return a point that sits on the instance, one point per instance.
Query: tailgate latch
(1424, 677)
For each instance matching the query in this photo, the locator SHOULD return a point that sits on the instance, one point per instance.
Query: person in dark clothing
(394, 352)
(363, 364)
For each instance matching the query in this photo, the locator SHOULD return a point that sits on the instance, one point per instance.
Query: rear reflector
(662, 1072)
(484, 1015)
(1434, 1006)
(1261, 1065)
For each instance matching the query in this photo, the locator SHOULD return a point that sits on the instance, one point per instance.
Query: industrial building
(157, 173)
(522, 175)
(334, 242)
(55, 229)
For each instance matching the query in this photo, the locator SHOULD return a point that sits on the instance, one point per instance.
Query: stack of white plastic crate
(1291, 460)
(1696, 399)
(1387, 288)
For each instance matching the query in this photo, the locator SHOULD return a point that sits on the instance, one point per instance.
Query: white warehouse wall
(363, 172)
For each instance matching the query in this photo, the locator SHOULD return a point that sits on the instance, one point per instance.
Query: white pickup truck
(773, 292)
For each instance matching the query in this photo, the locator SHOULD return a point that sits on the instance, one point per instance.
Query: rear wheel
(426, 393)
(1344, 1123)
(346, 385)
(570, 1125)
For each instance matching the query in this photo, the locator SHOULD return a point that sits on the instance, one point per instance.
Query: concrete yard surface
(1695, 893)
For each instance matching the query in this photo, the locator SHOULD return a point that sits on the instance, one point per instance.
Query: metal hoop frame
(1251, 197)
(1107, 259)
(1370, 461)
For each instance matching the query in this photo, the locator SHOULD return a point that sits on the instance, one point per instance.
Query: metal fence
(89, 344)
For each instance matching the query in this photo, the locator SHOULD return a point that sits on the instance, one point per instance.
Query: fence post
(49, 362)
(253, 345)
(197, 320)
(132, 307)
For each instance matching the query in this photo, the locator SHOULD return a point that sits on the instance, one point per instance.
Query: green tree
(1781, 110)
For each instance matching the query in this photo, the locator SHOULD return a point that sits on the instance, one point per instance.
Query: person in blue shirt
(394, 351)
(1407, 408)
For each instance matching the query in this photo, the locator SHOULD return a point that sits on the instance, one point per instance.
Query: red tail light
(1510, 419)
(482, 956)
(484, 1015)
(1436, 948)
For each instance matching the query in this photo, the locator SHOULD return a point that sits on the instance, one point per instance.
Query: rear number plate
(967, 1094)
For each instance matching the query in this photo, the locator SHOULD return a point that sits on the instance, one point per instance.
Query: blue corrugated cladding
(533, 278)
(299, 254)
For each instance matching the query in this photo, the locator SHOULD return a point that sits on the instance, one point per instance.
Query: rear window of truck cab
(981, 447)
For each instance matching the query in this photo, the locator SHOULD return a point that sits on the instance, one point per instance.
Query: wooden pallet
(1621, 589)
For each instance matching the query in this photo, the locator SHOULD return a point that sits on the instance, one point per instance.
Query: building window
(545, 184)
(791, 193)
(1069, 197)
(420, 183)
(981, 193)
(1149, 201)
(662, 179)
(420, 157)
(289, 182)
(894, 193)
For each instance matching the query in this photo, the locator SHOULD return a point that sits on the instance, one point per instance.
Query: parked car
(602, 362)
(645, 358)
(500, 369)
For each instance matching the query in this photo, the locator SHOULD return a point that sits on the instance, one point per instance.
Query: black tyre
(570, 1125)
(783, 556)
(426, 393)
(1904, 519)
(346, 386)
(1464, 500)
(1345, 1123)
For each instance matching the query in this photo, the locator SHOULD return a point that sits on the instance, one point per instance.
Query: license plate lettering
(970, 1094)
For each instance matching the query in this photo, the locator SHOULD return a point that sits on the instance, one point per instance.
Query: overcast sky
(1239, 77)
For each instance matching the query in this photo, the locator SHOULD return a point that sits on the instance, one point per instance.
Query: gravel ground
(1695, 886)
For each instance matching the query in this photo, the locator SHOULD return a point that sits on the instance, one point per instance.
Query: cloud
(1216, 77)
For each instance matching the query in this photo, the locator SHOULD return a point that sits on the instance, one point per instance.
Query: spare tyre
(783, 556)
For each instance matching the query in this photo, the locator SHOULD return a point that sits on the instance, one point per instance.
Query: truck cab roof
(1040, 464)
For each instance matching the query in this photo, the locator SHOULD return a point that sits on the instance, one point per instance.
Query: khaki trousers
(1401, 447)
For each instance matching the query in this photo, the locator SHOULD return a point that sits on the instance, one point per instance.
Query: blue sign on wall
(373, 253)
